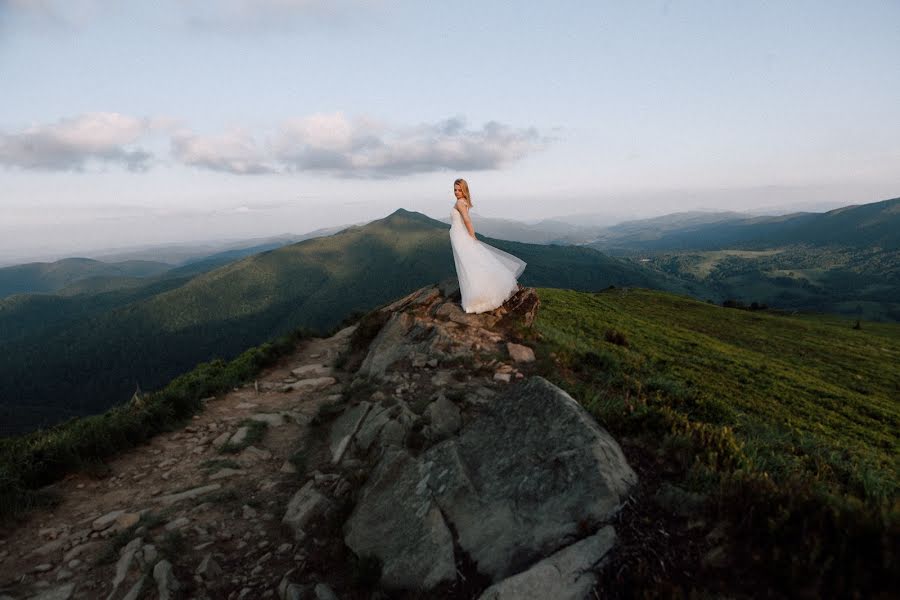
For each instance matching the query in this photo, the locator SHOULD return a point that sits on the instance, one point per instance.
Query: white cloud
(232, 152)
(71, 143)
(366, 148)
(332, 144)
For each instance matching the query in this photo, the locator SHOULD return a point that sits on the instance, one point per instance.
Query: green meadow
(788, 425)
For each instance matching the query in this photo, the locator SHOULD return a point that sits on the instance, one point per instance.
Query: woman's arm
(464, 211)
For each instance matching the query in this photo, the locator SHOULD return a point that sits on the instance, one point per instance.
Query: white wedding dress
(487, 275)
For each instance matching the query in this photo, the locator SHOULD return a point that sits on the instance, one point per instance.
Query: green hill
(873, 225)
(49, 277)
(89, 359)
(789, 427)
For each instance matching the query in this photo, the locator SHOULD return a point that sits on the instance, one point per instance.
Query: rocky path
(409, 456)
(198, 503)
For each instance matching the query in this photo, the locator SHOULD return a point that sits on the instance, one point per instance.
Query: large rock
(397, 521)
(389, 346)
(567, 575)
(517, 484)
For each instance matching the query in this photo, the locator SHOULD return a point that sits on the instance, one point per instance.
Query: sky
(125, 123)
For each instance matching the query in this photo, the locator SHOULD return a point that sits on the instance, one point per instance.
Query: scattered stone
(63, 592)
(312, 384)
(165, 580)
(344, 429)
(306, 504)
(272, 419)
(192, 493)
(567, 575)
(177, 523)
(251, 455)
(106, 520)
(210, 570)
(126, 557)
(323, 592)
(520, 353)
(239, 436)
(314, 370)
(445, 418)
(126, 520)
(226, 472)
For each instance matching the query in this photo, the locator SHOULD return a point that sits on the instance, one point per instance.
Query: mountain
(90, 355)
(869, 225)
(50, 277)
(547, 231)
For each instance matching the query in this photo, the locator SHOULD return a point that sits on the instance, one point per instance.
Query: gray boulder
(397, 521)
(567, 575)
(517, 484)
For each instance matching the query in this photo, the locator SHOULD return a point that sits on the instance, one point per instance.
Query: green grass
(789, 423)
(30, 462)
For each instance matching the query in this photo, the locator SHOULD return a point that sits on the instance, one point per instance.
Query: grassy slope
(787, 428)
(803, 394)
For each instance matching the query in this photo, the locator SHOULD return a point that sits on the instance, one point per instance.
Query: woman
(487, 276)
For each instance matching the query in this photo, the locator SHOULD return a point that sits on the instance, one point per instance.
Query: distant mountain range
(80, 354)
(868, 225)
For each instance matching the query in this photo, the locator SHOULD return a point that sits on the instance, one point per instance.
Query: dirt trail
(239, 523)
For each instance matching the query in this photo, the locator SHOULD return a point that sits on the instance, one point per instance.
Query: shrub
(615, 337)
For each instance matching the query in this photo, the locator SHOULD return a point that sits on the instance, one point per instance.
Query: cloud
(71, 143)
(366, 148)
(54, 13)
(232, 152)
(331, 144)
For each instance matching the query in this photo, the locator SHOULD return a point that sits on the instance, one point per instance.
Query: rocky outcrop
(522, 480)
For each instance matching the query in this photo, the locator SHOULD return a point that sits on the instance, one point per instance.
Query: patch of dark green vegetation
(32, 461)
(787, 426)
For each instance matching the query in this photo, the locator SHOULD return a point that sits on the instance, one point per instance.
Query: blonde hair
(465, 190)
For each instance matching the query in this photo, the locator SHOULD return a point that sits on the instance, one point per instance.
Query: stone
(566, 575)
(106, 520)
(312, 384)
(396, 521)
(177, 523)
(272, 419)
(239, 436)
(209, 570)
(323, 592)
(251, 455)
(166, 584)
(314, 370)
(519, 481)
(126, 556)
(63, 592)
(445, 418)
(220, 441)
(520, 353)
(126, 520)
(505, 377)
(389, 346)
(170, 499)
(345, 428)
(371, 427)
(305, 505)
(135, 592)
(49, 548)
(226, 472)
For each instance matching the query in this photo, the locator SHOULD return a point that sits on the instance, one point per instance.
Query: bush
(615, 337)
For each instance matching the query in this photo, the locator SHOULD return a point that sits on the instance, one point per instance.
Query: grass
(32, 461)
(789, 424)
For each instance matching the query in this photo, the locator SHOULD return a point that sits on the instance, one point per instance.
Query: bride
(487, 275)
